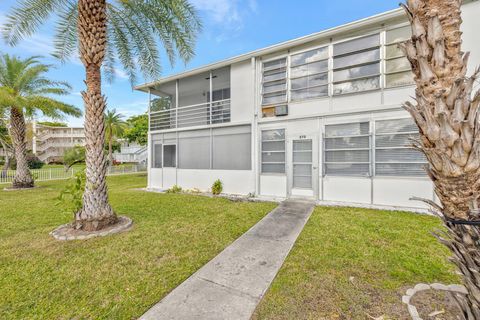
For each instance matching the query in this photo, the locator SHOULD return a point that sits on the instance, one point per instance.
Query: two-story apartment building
(318, 117)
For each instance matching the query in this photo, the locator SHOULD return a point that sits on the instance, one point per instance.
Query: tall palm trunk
(96, 212)
(446, 113)
(110, 150)
(23, 177)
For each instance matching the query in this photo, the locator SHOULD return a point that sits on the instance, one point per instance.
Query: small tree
(73, 156)
(137, 129)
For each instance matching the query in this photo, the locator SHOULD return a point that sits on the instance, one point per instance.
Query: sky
(230, 28)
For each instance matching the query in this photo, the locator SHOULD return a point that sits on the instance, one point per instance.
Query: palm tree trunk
(23, 177)
(96, 212)
(110, 152)
(446, 113)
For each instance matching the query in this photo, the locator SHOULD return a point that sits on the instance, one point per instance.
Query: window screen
(169, 156)
(232, 148)
(157, 155)
(347, 149)
(356, 65)
(394, 155)
(273, 151)
(397, 67)
(274, 82)
(194, 149)
(309, 74)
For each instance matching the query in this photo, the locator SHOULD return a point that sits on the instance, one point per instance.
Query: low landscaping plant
(217, 187)
(71, 195)
(174, 189)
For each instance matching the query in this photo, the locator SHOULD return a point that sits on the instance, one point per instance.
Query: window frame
(261, 141)
(349, 53)
(326, 72)
(175, 155)
(375, 148)
(263, 82)
(386, 59)
(154, 157)
(369, 150)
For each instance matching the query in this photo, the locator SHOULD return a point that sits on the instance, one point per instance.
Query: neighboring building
(317, 117)
(49, 143)
(131, 153)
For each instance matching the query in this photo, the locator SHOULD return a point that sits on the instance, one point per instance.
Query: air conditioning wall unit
(281, 110)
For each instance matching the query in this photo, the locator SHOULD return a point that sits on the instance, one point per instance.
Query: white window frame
(176, 155)
(327, 46)
(386, 59)
(262, 152)
(325, 150)
(379, 61)
(375, 148)
(262, 82)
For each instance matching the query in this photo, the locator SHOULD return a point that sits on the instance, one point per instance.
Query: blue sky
(231, 27)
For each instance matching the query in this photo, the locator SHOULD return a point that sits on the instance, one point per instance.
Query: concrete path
(232, 284)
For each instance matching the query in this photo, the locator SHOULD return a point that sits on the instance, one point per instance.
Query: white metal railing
(60, 173)
(140, 155)
(194, 115)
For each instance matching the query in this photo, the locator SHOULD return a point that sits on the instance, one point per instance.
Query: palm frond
(66, 36)
(26, 17)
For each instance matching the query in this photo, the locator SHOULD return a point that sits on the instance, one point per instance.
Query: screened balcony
(199, 100)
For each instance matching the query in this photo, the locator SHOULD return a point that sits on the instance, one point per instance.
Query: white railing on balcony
(189, 116)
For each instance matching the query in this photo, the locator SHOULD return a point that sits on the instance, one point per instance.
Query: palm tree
(446, 112)
(104, 30)
(25, 90)
(114, 128)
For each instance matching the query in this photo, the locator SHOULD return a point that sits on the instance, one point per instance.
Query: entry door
(303, 168)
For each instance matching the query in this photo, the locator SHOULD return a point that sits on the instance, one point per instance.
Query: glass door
(302, 164)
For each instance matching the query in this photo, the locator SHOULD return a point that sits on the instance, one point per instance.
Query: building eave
(345, 28)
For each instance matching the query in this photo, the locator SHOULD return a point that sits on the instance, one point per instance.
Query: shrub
(174, 189)
(32, 161)
(217, 187)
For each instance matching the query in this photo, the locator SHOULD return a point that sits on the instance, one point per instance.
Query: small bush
(217, 187)
(71, 196)
(174, 189)
(32, 161)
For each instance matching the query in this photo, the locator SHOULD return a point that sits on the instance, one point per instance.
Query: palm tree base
(69, 232)
(95, 224)
(23, 185)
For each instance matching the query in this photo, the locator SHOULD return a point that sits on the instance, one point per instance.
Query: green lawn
(384, 252)
(117, 277)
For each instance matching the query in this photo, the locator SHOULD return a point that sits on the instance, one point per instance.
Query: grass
(355, 264)
(117, 277)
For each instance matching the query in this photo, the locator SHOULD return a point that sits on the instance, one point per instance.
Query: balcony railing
(190, 116)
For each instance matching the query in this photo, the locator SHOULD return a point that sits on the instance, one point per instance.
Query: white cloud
(227, 15)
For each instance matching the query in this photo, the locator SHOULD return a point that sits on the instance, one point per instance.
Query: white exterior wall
(308, 119)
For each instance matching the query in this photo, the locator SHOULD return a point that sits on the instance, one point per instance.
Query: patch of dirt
(436, 304)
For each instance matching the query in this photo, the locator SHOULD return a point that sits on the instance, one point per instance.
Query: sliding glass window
(394, 155)
(356, 65)
(273, 151)
(397, 67)
(309, 74)
(347, 149)
(274, 82)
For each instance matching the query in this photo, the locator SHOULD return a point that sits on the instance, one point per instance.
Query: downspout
(149, 142)
(255, 142)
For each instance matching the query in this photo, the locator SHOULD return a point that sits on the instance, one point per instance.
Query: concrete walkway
(232, 284)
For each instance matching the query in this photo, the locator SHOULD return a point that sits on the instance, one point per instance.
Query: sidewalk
(232, 284)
